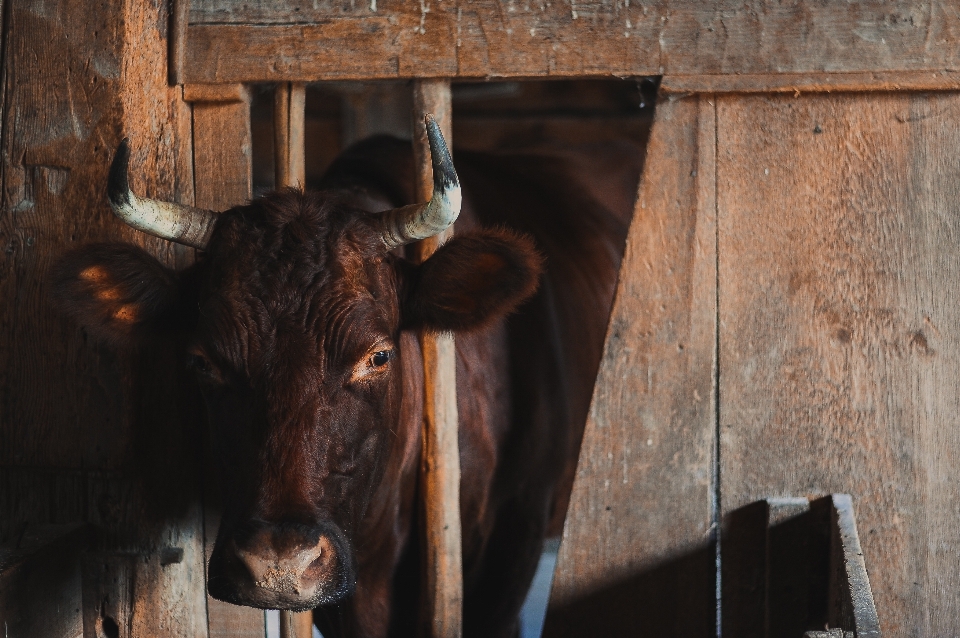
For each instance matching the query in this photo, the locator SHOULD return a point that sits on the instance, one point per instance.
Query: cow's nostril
(296, 572)
(281, 567)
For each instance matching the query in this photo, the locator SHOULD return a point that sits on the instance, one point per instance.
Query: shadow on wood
(674, 598)
(40, 584)
(792, 566)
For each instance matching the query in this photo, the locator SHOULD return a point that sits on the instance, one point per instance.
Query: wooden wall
(90, 432)
(786, 324)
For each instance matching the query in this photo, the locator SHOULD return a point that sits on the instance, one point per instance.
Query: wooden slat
(637, 556)
(440, 460)
(855, 608)
(222, 153)
(90, 431)
(819, 82)
(215, 93)
(293, 41)
(839, 355)
(223, 174)
(296, 624)
(288, 131)
(179, 13)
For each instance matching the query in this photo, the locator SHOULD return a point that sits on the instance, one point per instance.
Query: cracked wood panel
(91, 432)
(637, 555)
(246, 41)
(839, 358)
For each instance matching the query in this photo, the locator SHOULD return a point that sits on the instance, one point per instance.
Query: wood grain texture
(855, 608)
(179, 14)
(637, 553)
(839, 356)
(817, 82)
(288, 134)
(222, 153)
(440, 456)
(223, 175)
(215, 93)
(232, 41)
(83, 437)
(296, 624)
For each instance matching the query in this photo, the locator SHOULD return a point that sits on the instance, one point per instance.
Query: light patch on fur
(127, 313)
(94, 274)
(99, 280)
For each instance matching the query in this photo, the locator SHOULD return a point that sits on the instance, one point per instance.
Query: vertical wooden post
(296, 624)
(440, 459)
(288, 123)
(289, 150)
(179, 15)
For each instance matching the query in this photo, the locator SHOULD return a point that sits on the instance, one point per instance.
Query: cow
(300, 320)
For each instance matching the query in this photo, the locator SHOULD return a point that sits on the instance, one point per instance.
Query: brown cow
(302, 320)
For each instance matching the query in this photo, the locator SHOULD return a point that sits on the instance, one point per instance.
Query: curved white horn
(176, 222)
(419, 221)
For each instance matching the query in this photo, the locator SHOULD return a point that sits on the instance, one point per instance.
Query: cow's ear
(471, 281)
(116, 291)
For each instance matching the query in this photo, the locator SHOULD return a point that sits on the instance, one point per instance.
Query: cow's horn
(419, 221)
(176, 222)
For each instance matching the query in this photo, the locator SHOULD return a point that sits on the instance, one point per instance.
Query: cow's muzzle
(281, 566)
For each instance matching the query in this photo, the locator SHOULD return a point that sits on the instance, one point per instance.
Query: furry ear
(116, 291)
(471, 281)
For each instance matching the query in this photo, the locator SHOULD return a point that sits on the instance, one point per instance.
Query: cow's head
(293, 316)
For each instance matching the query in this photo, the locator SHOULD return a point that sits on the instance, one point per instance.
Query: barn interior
(779, 406)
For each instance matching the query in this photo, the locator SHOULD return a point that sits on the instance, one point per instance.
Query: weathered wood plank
(839, 350)
(440, 456)
(637, 554)
(819, 82)
(296, 625)
(853, 607)
(82, 438)
(215, 93)
(294, 41)
(40, 587)
(179, 14)
(222, 153)
(288, 131)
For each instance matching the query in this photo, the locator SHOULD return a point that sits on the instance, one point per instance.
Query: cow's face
(292, 319)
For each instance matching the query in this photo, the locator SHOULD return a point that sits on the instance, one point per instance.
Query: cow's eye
(201, 366)
(381, 358)
(198, 363)
(372, 365)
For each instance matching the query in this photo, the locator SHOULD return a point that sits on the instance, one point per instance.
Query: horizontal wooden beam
(393, 39)
(222, 93)
(946, 80)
